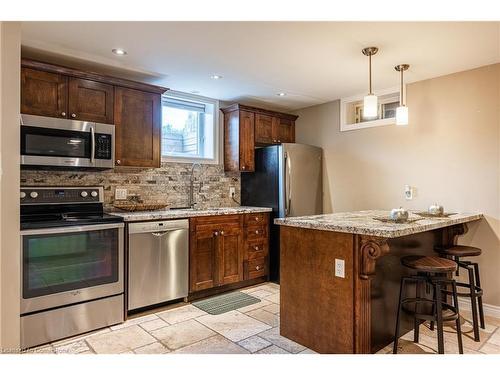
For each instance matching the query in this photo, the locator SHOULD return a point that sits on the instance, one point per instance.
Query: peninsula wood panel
(138, 127)
(44, 93)
(316, 308)
(90, 101)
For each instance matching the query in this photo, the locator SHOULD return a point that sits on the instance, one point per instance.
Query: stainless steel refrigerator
(288, 178)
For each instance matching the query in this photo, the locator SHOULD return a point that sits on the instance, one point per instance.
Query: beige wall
(10, 43)
(449, 152)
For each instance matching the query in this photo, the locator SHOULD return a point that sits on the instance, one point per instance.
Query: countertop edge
(186, 214)
(380, 232)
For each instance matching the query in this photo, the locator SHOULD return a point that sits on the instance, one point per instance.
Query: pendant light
(402, 110)
(370, 101)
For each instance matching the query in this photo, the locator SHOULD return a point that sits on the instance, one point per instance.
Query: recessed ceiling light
(281, 94)
(215, 76)
(119, 51)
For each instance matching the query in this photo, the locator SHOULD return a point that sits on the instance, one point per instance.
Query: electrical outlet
(340, 268)
(232, 191)
(409, 192)
(120, 194)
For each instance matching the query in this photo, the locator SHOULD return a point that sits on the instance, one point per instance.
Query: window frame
(217, 157)
(344, 102)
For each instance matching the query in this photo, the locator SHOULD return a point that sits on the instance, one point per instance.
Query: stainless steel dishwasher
(158, 263)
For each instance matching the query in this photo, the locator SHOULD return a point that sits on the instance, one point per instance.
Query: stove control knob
(33, 194)
(84, 194)
(23, 195)
(94, 193)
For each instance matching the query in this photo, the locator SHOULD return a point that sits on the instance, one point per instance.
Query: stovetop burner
(62, 207)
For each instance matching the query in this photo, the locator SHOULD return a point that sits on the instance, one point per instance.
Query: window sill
(187, 160)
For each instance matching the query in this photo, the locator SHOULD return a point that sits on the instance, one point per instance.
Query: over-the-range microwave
(53, 142)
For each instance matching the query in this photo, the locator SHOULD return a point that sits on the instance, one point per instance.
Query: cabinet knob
(256, 218)
(256, 232)
(73, 115)
(216, 233)
(257, 268)
(279, 141)
(274, 140)
(63, 114)
(243, 167)
(221, 232)
(256, 247)
(118, 162)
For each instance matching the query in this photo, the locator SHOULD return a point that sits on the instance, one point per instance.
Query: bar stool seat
(460, 251)
(429, 264)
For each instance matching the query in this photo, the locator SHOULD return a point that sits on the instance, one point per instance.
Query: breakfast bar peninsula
(340, 275)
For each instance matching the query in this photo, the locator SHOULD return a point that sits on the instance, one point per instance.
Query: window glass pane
(187, 129)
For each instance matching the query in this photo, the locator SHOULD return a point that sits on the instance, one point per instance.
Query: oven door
(56, 142)
(62, 266)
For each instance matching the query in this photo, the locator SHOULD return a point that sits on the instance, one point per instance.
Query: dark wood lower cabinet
(220, 253)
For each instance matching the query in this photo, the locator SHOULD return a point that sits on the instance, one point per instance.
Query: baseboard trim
(489, 310)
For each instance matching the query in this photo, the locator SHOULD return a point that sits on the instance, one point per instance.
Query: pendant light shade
(370, 101)
(402, 110)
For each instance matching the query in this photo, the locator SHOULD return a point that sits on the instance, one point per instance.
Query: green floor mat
(225, 302)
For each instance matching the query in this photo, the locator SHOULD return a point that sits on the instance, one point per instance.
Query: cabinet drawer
(256, 232)
(215, 223)
(256, 218)
(257, 268)
(257, 249)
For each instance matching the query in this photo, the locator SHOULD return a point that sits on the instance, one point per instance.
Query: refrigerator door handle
(288, 184)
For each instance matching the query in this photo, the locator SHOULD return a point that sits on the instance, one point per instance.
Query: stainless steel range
(72, 263)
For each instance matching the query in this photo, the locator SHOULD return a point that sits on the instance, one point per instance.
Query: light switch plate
(340, 268)
(232, 191)
(409, 192)
(120, 194)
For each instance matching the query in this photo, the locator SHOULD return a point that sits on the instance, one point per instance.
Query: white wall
(449, 152)
(10, 43)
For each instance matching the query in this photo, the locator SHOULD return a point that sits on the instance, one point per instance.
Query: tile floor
(252, 329)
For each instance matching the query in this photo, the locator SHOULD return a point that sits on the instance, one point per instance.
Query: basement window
(188, 131)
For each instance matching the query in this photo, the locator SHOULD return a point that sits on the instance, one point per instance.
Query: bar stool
(475, 293)
(431, 271)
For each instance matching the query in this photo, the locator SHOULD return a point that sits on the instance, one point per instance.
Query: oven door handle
(70, 229)
(92, 145)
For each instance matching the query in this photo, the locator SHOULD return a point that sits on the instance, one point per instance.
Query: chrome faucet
(191, 202)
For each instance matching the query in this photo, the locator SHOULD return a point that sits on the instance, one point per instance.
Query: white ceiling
(313, 62)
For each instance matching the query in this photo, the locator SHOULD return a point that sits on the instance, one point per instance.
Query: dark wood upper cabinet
(283, 130)
(137, 119)
(248, 127)
(90, 101)
(44, 93)
(263, 129)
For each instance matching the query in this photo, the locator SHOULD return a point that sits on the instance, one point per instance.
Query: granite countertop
(363, 222)
(186, 213)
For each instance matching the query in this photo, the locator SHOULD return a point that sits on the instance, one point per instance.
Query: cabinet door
(90, 101)
(230, 255)
(43, 93)
(202, 260)
(137, 128)
(263, 129)
(247, 141)
(283, 130)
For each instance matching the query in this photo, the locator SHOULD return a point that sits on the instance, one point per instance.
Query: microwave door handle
(92, 145)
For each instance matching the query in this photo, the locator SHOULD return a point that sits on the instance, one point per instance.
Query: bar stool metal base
(438, 305)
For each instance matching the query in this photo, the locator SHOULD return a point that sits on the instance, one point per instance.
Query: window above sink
(190, 131)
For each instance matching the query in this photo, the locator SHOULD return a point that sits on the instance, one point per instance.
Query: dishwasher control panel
(157, 226)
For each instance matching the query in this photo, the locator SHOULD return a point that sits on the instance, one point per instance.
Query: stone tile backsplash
(168, 184)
